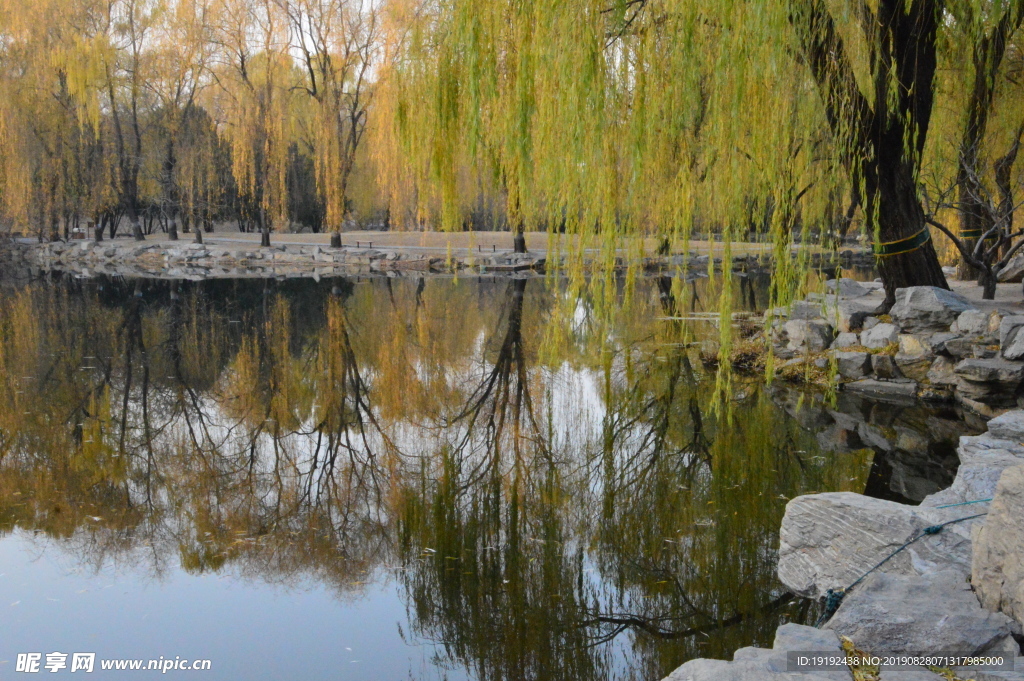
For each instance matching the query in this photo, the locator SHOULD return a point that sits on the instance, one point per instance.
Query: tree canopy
(734, 120)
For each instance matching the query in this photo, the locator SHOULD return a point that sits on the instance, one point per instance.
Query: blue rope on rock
(834, 597)
(964, 503)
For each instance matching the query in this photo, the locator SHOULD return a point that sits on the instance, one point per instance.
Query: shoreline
(937, 578)
(933, 345)
(230, 258)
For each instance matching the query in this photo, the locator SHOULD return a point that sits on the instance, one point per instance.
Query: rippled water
(407, 479)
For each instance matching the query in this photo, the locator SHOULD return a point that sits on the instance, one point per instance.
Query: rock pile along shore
(956, 590)
(933, 345)
(186, 260)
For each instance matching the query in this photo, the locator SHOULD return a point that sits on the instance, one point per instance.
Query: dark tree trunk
(335, 240)
(987, 280)
(97, 231)
(899, 216)
(172, 231)
(987, 58)
(519, 241)
(872, 135)
(137, 228)
(264, 229)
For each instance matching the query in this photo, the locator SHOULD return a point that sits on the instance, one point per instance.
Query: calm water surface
(406, 479)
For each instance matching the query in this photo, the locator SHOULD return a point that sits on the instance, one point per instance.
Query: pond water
(407, 478)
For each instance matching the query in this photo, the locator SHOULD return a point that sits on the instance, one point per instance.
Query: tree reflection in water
(570, 511)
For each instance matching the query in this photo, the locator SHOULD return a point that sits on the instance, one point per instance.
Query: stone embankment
(914, 590)
(222, 259)
(933, 345)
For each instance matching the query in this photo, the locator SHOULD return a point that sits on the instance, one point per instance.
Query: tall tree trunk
(264, 229)
(987, 58)
(987, 279)
(880, 141)
(519, 240)
(133, 217)
(899, 215)
(169, 202)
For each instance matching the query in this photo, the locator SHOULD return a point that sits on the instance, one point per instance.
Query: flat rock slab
(829, 540)
(902, 391)
(980, 675)
(1009, 426)
(927, 308)
(719, 670)
(848, 288)
(907, 675)
(763, 664)
(930, 613)
(983, 459)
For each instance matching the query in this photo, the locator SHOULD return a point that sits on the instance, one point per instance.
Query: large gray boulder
(1009, 426)
(804, 336)
(848, 288)
(941, 371)
(880, 336)
(1014, 270)
(983, 459)
(853, 365)
(927, 308)
(764, 664)
(902, 392)
(992, 381)
(1011, 340)
(977, 323)
(929, 613)
(829, 540)
(703, 669)
(998, 566)
(847, 339)
(884, 366)
(852, 313)
(991, 675)
(802, 309)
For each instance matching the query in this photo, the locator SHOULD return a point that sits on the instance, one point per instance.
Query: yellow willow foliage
(289, 395)
(15, 176)
(611, 120)
(615, 119)
(242, 387)
(961, 64)
(596, 129)
(254, 100)
(57, 60)
(336, 43)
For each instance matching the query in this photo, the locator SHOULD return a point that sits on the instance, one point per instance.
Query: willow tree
(972, 168)
(51, 154)
(656, 117)
(255, 77)
(337, 44)
(182, 53)
(128, 25)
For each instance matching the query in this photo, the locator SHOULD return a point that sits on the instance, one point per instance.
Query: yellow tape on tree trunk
(901, 246)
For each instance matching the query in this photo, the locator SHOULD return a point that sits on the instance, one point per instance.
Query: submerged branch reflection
(545, 514)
